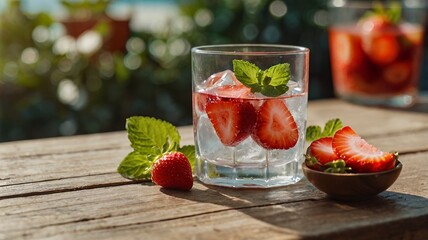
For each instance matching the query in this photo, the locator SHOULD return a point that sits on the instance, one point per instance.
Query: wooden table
(68, 188)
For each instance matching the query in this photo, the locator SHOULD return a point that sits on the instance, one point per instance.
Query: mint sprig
(331, 127)
(271, 82)
(150, 138)
(392, 13)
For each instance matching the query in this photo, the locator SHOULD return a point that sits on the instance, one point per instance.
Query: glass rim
(270, 49)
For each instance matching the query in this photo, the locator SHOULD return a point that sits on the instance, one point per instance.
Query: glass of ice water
(249, 114)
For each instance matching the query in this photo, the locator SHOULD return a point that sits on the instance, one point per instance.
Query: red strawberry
(230, 91)
(233, 119)
(379, 37)
(275, 127)
(173, 171)
(322, 150)
(382, 49)
(358, 154)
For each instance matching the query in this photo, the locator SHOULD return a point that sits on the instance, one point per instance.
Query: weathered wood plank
(367, 121)
(24, 176)
(43, 160)
(144, 210)
(79, 162)
(74, 144)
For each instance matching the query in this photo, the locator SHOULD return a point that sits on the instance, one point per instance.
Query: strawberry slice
(345, 49)
(380, 39)
(236, 91)
(397, 73)
(358, 154)
(275, 127)
(199, 101)
(322, 150)
(382, 49)
(233, 119)
(229, 91)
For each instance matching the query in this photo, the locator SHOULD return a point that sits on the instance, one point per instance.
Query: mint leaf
(394, 12)
(136, 166)
(279, 74)
(189, 151)
(271, 82)
(247, 74)
(313, 133)
(152, 136)
(331, 127)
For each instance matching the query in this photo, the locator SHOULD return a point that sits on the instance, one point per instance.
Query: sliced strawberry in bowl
(360, 155)
(275, 127)
(233, 119)
(322, 150)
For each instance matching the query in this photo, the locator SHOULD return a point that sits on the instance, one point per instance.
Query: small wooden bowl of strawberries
(341, 164)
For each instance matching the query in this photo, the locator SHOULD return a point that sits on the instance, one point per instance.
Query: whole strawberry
(173, 171)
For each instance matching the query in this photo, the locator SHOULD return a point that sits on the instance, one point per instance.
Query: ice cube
(209, 145)
(225, 84)
(294, 88)
(250, 152)
(220, 79)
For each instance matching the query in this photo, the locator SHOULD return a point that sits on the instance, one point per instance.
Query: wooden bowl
(352, 186)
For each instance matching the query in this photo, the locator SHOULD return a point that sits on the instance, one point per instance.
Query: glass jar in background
(376, 50)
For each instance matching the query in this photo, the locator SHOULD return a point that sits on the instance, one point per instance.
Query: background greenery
(55, 82)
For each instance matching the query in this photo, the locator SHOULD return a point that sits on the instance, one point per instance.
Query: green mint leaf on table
(189, 151)
(150, 138)
(271, 82)
(136, 166)
(331, 127)
(313, 133)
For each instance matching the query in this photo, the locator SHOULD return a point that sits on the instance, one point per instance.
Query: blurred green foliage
(57, 80)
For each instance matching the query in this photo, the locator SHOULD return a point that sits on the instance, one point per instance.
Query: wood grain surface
(68, 188)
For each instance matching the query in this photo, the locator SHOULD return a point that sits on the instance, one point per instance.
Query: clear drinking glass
(244, 138)
(376, 49)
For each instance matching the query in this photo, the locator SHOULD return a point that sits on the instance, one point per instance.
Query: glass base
(245, 176)
(396, 101)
